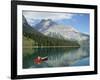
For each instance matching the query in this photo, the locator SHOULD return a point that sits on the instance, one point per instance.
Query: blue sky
(80, 21)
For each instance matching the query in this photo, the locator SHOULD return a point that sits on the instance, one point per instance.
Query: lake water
(57, 57)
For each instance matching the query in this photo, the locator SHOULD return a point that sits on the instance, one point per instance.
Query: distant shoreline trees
(48, 41)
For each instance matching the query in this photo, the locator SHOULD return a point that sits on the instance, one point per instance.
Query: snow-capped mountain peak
(51, 28)
(44, 24)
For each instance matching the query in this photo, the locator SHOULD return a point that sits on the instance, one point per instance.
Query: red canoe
(39, 59)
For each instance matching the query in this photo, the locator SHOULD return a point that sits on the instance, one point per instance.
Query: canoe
(39, 59)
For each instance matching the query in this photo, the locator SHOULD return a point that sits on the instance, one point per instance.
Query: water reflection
(57, 57)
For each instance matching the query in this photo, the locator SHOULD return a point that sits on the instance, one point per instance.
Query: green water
(57, 57)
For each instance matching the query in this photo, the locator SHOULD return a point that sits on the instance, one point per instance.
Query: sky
(80, 21)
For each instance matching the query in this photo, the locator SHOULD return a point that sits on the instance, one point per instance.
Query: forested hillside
(41, 40)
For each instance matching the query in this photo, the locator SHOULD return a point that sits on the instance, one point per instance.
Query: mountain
(52, 29)
(28, 29)
(40, 39)
(45, 24)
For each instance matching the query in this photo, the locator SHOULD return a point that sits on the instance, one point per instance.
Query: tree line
(49, 41)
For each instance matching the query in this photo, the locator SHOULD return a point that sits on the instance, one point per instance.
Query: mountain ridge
(48, 27)
(43, 40)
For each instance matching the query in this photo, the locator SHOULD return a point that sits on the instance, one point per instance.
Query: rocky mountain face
(52, 29)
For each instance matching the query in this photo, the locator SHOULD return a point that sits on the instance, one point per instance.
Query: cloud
(47, 15)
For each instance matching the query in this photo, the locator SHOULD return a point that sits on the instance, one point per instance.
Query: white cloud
(47, 15)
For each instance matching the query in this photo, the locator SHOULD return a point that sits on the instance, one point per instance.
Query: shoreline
(50, 46)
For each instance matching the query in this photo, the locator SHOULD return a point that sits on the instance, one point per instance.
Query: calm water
(57, 57)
